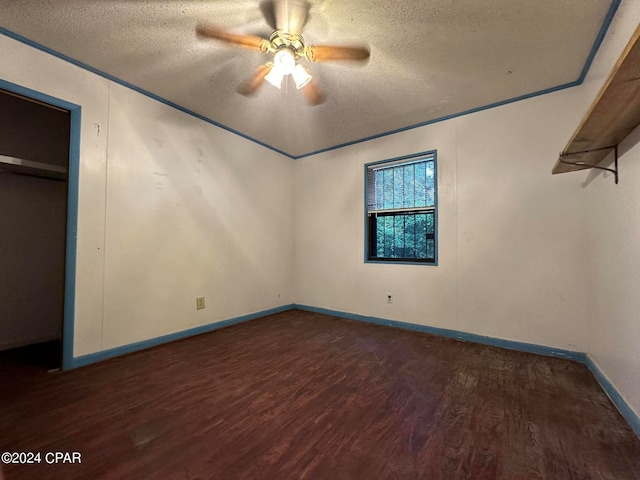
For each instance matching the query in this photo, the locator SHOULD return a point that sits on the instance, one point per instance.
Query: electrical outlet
(389, 297)
(199, 303)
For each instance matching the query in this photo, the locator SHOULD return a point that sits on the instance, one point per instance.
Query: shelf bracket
(582, 164)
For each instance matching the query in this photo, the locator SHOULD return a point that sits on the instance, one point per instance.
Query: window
(401, 221)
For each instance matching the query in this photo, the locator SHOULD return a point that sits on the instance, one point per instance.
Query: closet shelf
(22, 166)
(613, 115)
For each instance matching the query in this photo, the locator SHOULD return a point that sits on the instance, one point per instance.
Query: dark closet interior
(34, 160)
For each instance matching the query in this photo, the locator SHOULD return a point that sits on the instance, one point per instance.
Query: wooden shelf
(614, 114)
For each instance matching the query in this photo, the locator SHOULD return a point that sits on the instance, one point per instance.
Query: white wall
(330, 268)
(513, 255)
(170, 208)
(614, 230)
(510, 236)
(191, 211)
(520, 231)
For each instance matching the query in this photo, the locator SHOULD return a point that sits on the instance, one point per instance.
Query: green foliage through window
(401, 209)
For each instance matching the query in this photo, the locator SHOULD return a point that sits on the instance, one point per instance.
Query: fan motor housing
(281, 39)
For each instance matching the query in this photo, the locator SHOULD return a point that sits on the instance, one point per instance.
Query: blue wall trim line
(72, 211)
(454, 334)
(585, 69)
(143, 345)
(442, 119)
(77, 63)
(623, 407)
(613, 8)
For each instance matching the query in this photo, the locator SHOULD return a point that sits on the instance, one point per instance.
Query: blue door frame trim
(613, 8)
(72, 211)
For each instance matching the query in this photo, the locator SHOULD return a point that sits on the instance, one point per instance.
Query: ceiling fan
(287, 46)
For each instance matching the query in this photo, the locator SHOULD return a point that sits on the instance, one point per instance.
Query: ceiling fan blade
(329, 53)
(247, 41)
(291, 15)
(313, 94)
(250, 87)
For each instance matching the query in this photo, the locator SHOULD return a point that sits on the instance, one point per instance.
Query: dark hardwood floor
(300, 395)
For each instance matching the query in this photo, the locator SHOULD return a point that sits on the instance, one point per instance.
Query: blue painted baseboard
(458, 335)
(623, 407)
(134, 347)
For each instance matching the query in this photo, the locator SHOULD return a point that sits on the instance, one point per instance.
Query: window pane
(421, 185)
(403, 186)
(379, 187)
(408, 196)
(398, 184)
(421, 235)
(395, 193)
(431, 248)
(398, 236)
(387, 189)
(405, 236)
(430, 190)
(389, 246)
(430, 227)
(379, 239)
(410, 236)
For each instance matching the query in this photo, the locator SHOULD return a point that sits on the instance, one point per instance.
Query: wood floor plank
(299, 395)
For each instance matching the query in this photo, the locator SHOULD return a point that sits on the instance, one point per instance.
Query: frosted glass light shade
(275, 76)
(300, 76)
(285, 59)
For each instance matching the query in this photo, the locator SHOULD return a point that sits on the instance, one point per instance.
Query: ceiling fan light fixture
(300, 76)
(275, 76)
(286, 47)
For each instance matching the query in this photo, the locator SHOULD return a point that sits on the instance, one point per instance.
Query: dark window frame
(372, 216)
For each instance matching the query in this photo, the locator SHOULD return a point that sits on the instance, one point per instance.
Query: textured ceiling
(429, 59)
